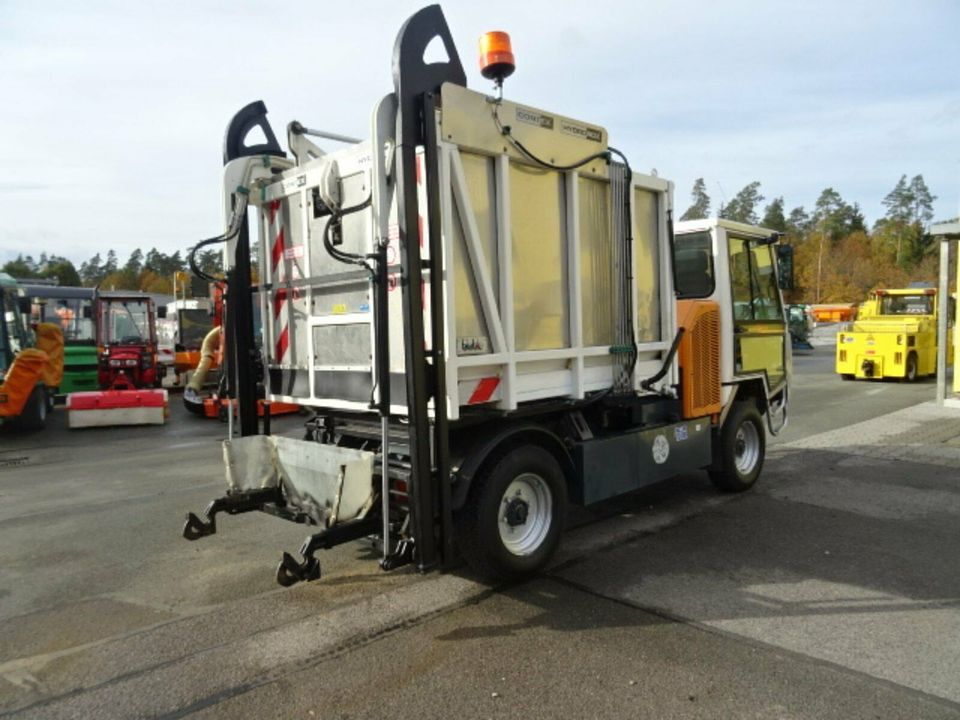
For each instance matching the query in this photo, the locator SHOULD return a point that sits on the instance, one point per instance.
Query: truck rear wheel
(742, 446)
(511, 523)
(910, 373)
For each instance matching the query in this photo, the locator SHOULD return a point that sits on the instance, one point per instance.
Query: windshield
(125, 322)
(72, 315)
(906, 305)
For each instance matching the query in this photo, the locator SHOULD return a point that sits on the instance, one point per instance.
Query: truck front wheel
(742, 445)
(513, 517)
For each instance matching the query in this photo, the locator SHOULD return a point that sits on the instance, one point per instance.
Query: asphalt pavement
(830, 590)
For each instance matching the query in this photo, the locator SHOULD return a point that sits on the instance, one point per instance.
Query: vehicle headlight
(131, 362)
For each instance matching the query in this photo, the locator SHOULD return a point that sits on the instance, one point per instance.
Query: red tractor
(127, 342)
(128, 373)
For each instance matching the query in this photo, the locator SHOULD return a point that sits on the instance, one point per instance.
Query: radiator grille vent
(700, 357)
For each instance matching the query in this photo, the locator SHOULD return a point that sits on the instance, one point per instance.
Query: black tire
(34, 414)
(741, 449)
(478, 523)
(910, 373)
(847, 376)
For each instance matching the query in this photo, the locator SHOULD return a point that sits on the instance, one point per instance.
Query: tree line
(151, 272)
(837, 258)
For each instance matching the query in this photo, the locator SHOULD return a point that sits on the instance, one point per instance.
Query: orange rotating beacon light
(496, 57)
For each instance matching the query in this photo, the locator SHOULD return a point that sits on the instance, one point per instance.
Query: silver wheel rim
(525, 538)
(746, 448)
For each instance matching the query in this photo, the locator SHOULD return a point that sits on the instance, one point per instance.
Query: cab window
(694, 265)
(753, 281)
(906, 305)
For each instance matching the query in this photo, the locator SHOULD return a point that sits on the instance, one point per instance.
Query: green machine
(72, 309)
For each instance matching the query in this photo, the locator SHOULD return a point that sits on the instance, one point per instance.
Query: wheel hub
(746, 448)
(525, 515)
(517, 511)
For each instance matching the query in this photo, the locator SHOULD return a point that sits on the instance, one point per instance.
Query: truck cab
(736, 266)
(895, 336)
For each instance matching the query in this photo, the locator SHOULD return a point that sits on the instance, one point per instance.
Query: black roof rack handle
(412, 76)
(248, 118)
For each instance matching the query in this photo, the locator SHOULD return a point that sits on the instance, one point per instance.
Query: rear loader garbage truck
(479, 305)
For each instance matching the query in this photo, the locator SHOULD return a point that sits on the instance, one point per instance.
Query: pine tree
(22, 267)
(921, 213)
(63, 270)
(91, 271)
(110, 266)
(899, 202)
(773, 216)
(798, 222)
(700, 202)
(835, 217)
(134, 262)
(153, 261)
(743, 207)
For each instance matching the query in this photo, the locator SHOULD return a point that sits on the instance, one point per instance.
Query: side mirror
(162, 312)
(785, 266)
(26, 305)
(87, 312)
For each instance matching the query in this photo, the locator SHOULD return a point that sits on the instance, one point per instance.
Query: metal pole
(382, 360)
(385, 483)
(819, 265)
(302, 130)
(943, 296)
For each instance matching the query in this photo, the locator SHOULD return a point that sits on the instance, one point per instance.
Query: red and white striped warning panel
(116, 407)
(281, 295)
(477, 392)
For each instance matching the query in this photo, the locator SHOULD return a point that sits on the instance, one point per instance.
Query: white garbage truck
(479, 305)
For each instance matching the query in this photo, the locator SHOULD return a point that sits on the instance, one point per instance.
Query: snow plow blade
(116, 407)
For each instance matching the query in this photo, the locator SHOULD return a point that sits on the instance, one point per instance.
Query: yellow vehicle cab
(895, 336)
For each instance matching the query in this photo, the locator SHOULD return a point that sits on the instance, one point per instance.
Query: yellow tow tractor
(894, 336)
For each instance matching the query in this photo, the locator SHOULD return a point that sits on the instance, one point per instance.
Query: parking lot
(830, 590)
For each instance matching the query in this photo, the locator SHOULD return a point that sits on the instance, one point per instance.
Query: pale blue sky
(113, 113)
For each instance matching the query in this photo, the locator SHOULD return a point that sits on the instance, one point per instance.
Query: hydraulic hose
(208, 351)
(648, 383)
(236, 222)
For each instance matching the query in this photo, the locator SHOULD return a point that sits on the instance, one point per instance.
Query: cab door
(759, 329)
